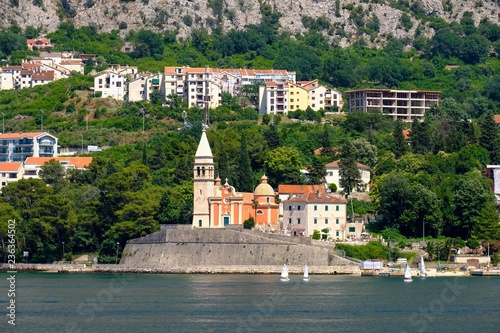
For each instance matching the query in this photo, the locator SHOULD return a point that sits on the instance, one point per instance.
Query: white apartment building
(110, 84)
(195, 85)
(140, 88)
(333, 176)
(403, 105)
(305, 213)
(17, 147)
(273, 98)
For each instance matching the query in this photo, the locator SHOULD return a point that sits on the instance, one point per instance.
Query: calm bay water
(52, 302)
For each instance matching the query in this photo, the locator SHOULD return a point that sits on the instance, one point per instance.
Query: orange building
(216, 205)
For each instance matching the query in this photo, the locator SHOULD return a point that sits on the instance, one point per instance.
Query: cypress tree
(245, 173)
(489, 138)
(400, 144)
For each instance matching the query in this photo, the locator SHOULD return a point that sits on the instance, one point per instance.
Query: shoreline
(351, 270)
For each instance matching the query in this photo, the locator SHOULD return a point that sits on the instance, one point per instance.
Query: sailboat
(284, 273)
(423, 273)
(408, 274)
(306, 273)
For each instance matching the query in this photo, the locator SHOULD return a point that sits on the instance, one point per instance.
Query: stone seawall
(185, 247)
(193, 269)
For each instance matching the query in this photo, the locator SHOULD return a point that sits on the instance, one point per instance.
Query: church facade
(216, 205)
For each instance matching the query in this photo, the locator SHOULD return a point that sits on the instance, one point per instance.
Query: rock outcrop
(185, 15)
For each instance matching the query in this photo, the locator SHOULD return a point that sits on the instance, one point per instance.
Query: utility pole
(143, 119)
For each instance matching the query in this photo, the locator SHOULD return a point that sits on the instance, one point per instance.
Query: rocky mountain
(342, 21)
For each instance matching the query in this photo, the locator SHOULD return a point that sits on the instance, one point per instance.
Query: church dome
(264, 188)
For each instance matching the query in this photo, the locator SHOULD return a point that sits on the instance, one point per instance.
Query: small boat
(284, 273)
(423, 273)
(408, 274)
(306, 273)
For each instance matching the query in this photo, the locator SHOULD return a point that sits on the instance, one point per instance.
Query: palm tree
(255, 203)
(432, 248)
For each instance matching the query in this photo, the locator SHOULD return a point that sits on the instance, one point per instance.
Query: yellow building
(298, 98)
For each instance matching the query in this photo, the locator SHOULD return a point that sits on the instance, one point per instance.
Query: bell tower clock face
(226, 200)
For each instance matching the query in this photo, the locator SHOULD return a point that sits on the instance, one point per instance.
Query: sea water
(55, 302)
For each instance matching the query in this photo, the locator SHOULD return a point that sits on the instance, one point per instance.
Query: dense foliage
(433, 180)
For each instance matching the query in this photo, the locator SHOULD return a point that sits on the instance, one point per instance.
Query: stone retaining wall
(183, 246)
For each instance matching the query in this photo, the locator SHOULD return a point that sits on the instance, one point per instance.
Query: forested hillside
(145, 177)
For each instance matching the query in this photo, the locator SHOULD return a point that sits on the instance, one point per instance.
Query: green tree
(362, 151)
(420, 137)
(282, 162)
(272, 137)
(155, 97)
(474, 49)
(176, 205)
(53, 174)
(317, 172)
(490, 137)
(24, 194)
(244, 173)
(487, 224)
(224, 170)
(350, 177)
(400, 143)
(470, 196)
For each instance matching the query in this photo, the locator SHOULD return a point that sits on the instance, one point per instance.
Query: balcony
(46, 143)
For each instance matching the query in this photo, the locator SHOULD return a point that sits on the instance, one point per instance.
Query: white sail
(284, 273)
(422, 267)
(306, 273)
(408, 274)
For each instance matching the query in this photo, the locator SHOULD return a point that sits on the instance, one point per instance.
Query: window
(298, 221)
(337, 221)
(352, 229)
(200, 223)
(337, 233)
(3, 174)
(315, 207)
(298, 207)
(326, 208)
(289, 221)
(315, 220)
(337, 208)
(289, 207)
(326, 221)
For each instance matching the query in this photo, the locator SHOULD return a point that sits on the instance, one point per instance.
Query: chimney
(318, 194)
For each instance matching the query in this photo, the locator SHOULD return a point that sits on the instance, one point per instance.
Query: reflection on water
(252, 303)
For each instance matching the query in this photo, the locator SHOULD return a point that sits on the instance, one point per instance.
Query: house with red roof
(32, 165)
(316, 211)
(10, 172)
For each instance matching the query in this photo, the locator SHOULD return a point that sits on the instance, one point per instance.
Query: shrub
(249, 223)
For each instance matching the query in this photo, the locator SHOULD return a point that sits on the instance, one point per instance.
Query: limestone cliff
(185, 15)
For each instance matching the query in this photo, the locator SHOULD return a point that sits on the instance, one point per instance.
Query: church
(216, 205)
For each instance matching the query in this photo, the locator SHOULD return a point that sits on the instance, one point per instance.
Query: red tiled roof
(10, 166)
(47, 75)
(298, 189)
(313, 197)
(335, 164)
(496, 118)
(78, 162)
(20, 135)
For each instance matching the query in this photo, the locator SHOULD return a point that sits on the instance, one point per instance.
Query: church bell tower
(203, 183)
